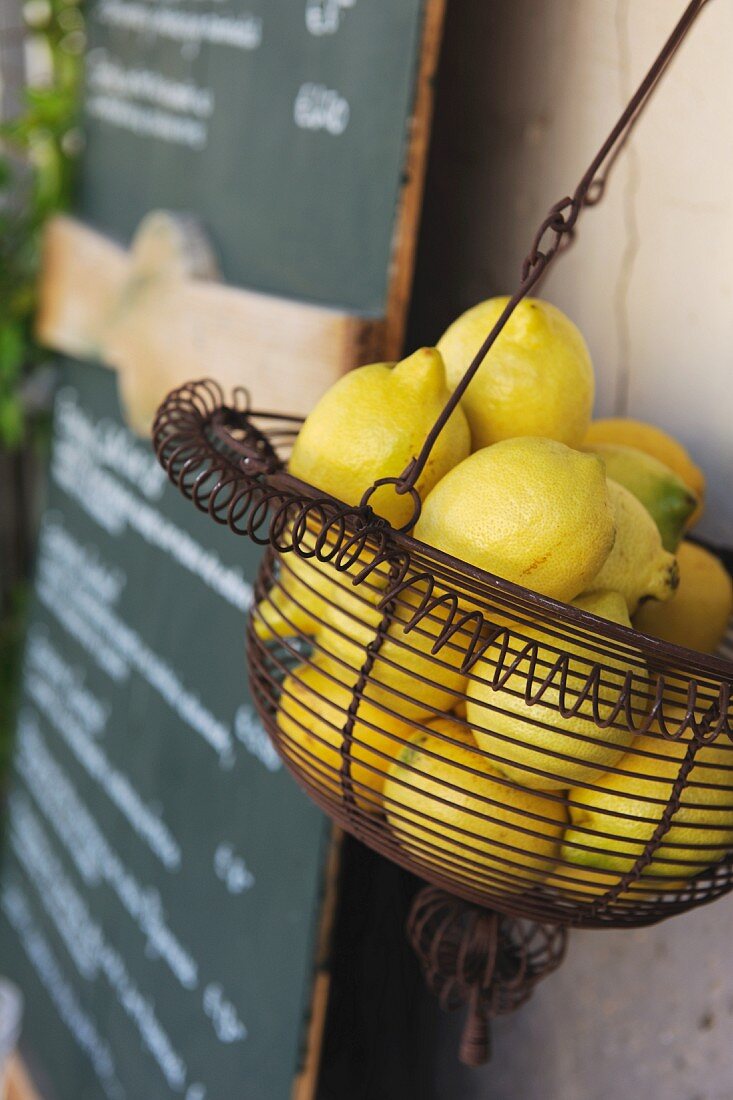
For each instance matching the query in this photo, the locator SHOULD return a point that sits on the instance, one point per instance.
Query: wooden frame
(17, 1084)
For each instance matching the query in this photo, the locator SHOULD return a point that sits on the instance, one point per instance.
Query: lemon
(452, 810)
(653, 441)
(306, 587)
(666, 497)
(537, 379)
(606, 604)
(638, 566)
(532, 742)
(460, 709)
(405, 676)
(588, 883)
(697, 614)
(311, 716)
(611, 825)
(530, 510)
(370, 424)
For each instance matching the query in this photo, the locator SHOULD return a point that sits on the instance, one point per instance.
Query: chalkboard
(162, 879)
(282, 123)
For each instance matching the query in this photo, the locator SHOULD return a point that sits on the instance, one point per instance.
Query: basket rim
(707, 663)
(190, 413)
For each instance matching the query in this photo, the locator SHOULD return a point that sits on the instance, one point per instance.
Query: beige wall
(528, 89)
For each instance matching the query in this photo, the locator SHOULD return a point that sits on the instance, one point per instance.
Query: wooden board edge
(411, 195)
(306, 1081)
(367, 341)
(17, 1083)
(150, 290)
(81, 277)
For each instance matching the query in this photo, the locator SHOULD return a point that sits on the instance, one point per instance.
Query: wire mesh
(521, 753)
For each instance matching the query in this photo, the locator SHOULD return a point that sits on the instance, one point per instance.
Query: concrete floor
(639, 1013)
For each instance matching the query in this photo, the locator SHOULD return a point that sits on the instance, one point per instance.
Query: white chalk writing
(243, 32)
(232, 870)
(223, 1015)
(248, 730)
(93, 856)
(107, 76)
(319, 108)
(16, 908)
(84, 939)
(78, 455)
(61, 586)
(324, 16)
(46, 680)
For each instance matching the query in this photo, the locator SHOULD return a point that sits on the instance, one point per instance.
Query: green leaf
(12, 351)
(37, 170)
(11, 421)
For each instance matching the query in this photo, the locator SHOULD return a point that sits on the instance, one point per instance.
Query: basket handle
(553, 237)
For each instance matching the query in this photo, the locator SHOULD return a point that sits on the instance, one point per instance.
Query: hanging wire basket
(522, 755)
(387, 638)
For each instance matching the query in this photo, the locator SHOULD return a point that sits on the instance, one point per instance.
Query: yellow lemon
(697, 615)
(371, 423)
(532, 742)
(587, 883)
(666, 497)
(537, 379)
(530, 510)
(405, 676)
(653, 441)
(368, 426)
(611, 825)
(460, 709)
(304, 588)
(311, 717)
(638, 566)
(452, 810)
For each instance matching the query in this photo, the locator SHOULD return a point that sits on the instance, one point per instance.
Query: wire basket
(524, 755)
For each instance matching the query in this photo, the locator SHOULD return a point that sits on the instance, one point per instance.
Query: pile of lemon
(474, 778)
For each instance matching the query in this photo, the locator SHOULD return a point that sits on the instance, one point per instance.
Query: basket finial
(475, 1048)
(477, 957)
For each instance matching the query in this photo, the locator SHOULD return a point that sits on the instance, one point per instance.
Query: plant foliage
(38, 150)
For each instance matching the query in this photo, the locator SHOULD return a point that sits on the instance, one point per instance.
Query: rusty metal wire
(363, 639)
(477, 958)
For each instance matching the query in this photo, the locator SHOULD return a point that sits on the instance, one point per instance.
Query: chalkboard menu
(282, 123)
(163, 877)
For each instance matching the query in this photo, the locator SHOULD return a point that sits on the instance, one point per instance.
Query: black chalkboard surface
(162, 876)
(282, 123)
